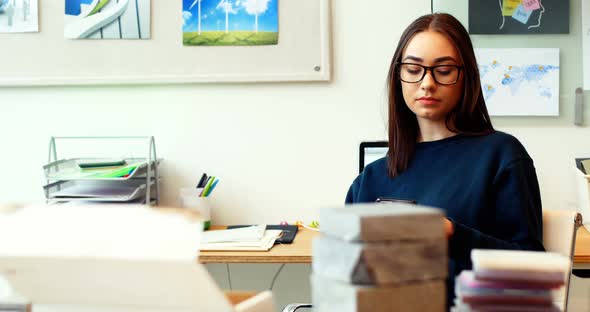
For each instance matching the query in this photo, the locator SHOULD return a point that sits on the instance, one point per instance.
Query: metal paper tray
(96, 190)
(68, 169)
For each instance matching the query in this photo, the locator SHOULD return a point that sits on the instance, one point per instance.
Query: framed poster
(301, 53)
(230, 23)
(520, 82)
(489, 17)
(18, 16)
(107, 19)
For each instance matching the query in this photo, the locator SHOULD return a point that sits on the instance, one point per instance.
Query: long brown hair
(470, 115)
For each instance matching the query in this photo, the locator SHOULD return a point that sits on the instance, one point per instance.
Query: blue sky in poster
(73, 6)
(213, 15)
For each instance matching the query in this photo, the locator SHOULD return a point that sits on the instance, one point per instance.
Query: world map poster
(520, 82)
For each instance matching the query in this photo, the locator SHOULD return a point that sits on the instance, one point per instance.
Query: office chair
(296, 306)
(559, 235)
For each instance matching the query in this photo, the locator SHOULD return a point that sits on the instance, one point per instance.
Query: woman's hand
(449, 228)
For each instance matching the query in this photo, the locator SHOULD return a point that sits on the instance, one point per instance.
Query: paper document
(247, 234)
(263, 244)
(91, 191)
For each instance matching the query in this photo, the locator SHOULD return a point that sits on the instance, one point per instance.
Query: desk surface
(582, 253)
(297, 252)
(300, 251)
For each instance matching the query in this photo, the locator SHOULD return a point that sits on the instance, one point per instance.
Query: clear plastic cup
(189, 198)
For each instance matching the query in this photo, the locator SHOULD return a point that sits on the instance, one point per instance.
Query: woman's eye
(412, 69)
(444, 71)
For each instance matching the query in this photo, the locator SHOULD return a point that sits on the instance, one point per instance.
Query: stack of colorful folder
(509, 280)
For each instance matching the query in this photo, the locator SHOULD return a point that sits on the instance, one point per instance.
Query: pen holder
(189, 198)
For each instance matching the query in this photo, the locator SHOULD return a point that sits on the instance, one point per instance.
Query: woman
(444, 152)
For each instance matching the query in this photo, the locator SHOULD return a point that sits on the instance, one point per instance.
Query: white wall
(282, 150)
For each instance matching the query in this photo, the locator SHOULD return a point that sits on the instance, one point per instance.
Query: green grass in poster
(234, 38)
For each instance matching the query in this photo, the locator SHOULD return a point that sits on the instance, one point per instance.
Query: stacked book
(380, 257)
(509, 280)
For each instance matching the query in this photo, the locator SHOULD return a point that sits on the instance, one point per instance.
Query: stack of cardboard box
(380, 257)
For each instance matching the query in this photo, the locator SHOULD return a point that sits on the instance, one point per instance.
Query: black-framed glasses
(442, 74)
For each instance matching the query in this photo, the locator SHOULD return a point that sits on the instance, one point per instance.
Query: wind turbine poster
(519, 16)
(18, 16)
(107, 19)
(230, 22)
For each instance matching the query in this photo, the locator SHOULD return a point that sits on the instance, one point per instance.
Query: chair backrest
(559, 235)
(369, 151)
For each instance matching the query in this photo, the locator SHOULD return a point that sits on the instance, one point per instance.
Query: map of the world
(520, 82)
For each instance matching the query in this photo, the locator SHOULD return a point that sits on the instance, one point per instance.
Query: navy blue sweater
(486, 185)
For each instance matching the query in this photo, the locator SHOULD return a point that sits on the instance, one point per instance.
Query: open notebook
(252, 238)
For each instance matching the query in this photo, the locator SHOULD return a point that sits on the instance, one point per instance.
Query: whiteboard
(47, 58)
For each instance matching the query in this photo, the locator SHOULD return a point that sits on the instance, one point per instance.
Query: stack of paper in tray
(380, 257)
(509, 280)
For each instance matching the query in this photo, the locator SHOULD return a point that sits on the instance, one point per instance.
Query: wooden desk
(300, 251)
(297, 252)
(236, 297)
(582, 251)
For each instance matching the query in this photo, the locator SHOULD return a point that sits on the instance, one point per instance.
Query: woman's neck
(433, 130)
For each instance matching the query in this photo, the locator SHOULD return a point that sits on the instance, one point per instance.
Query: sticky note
(509, 6)
(521, 14)
(531, 5)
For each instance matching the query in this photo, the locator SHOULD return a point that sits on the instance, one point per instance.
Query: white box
(333, 296)
(371, 222)
(380, 263)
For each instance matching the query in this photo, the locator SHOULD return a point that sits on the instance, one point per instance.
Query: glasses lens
(446, 74)
(411, 72)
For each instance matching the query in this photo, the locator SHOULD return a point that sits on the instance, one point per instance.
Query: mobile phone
(394, 200)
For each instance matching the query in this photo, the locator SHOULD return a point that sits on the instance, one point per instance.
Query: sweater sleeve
(517, 217)
(352, 195)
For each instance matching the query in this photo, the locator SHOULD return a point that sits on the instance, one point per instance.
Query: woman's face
(429, 99)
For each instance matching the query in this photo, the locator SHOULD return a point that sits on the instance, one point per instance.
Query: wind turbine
(228, 8)
(226, 22)
(198, 2)
(256, 19)
(256, 7)
(26, 9)
(9, 9)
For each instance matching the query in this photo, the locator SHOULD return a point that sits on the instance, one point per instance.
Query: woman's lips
(428, 100)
